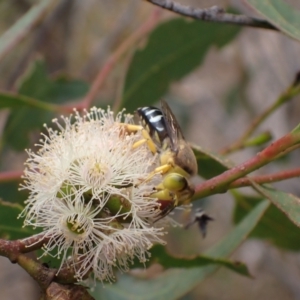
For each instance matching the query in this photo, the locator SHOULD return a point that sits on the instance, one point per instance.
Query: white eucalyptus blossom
(90, 192)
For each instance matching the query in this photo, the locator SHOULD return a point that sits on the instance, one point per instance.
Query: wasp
(163, 135)
(201, 218)
(177, 160)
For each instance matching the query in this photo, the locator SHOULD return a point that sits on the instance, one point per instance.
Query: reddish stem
(221, 183)
(10, 176)
(11, 249)
(260, 179)
(140, 33)
(14, 251)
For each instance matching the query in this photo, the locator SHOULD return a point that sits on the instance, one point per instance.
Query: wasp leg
(167, 167)
(163, 169)
(174, 190)
(162, 194)
(159, 170)
(166, 201)
(178, 185)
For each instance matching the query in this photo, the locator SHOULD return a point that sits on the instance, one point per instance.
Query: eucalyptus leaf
(9, 100)
(274, 226)
(173, 50)
(165, 259)
(175, 283)
(23, 26)
(289, 204)
(210, 164)
(281, 14)
(10, 226)
(34, 113)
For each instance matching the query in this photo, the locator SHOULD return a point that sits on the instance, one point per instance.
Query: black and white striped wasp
(178, 163)
(177, 160)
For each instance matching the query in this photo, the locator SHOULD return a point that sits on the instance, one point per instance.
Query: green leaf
(9, 191)
(9, 100)
(160, 255)
(173, 50)
(210, 164)
(175, 283)
(36, 90)
(10, 226)
(37, 84)
(281, 14)
(296, 130)
(33, 114)
(23, 26)
(289, 204)
(274, 226)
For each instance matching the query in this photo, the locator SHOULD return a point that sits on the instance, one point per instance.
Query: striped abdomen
(153, 121)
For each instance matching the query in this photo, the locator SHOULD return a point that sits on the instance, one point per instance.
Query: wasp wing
(173, 128)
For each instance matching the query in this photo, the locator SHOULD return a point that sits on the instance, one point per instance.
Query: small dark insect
(202, 219)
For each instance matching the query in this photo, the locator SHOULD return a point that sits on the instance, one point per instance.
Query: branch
(40, 273)
(16, 33)
(292, 91)
(141, 32)
(67, 292)
(11, 249)
(40, 36)
(10, 176)
(261, 179)
(14, 251)
(212, 14)
(221, 183)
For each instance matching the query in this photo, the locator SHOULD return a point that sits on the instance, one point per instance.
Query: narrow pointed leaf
(23, 26)
(210, 164)
(281, 14)
(175, 283)
(10, 226)
(173, 50)
(29, 113)
(9, 100)
(289, 204)
(160, 255)
(274, 227)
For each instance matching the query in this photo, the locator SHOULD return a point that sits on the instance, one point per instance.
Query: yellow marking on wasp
(163, 194)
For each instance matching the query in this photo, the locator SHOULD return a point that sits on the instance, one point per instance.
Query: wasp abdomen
(153, 120)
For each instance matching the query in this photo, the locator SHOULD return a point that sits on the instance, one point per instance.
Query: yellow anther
(131, 128)
(150, 143)
(139, 143)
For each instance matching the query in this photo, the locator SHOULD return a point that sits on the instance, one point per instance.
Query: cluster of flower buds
(90, 193)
